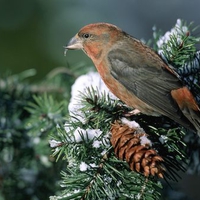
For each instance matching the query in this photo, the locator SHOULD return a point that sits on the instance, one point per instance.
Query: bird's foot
(131, 113)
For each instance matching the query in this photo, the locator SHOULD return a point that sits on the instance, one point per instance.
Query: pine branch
(78, 146)
(178, 48)
(102, 167)
(24, 157)
(178, 45)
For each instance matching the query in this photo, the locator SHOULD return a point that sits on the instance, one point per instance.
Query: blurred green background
(33, 33)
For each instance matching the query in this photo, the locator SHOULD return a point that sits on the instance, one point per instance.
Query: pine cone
(127, 146)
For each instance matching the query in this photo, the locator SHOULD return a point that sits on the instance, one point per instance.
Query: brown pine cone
(140, 157)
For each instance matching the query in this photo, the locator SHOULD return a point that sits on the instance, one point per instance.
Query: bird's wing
(151, 84)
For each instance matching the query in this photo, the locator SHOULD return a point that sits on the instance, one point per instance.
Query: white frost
(88, 134)
(93, 165)
(54, 143)
(83, 167)
(96, 144)
(131, 124)
(79, 134)
(144, 140)
(81, 84)
(177, 30)
(163, 139)
(93, 133)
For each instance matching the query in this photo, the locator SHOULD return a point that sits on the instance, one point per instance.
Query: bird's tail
(194, 118)
(188, 106)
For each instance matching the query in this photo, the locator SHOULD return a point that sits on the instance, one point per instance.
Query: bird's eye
(86, 35)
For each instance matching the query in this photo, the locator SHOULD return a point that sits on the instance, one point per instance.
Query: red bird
(136, 74)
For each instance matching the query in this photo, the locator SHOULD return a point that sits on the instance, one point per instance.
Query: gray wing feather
(151, 84)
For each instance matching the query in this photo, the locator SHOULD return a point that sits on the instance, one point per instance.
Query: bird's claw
(132, 112)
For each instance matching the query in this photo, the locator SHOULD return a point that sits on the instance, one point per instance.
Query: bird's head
(95, 39)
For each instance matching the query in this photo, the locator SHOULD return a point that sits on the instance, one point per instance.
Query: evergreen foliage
(27, 171)
(94, 172)
(34, 114)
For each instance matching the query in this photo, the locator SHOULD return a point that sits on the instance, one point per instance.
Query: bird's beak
(74, 43)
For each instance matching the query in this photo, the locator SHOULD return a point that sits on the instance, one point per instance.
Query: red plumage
(136, 74)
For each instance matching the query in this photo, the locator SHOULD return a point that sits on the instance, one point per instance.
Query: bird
(136, 74)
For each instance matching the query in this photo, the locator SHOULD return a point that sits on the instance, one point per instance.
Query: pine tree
(100, 152)
(113, 157)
